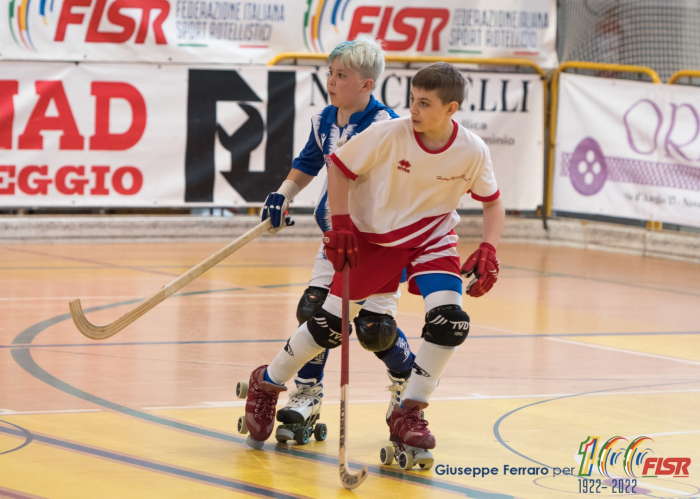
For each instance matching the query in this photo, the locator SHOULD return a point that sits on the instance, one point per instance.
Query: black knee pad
(376, 333)
(447, 326)
(326, 329)
(310, 303)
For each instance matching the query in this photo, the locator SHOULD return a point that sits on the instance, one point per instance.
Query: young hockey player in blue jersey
(354, 68)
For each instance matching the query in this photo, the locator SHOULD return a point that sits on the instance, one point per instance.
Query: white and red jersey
(405, 195)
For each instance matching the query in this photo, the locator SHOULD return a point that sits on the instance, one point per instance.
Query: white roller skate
(396, 389)
(410, 437)
(299, 417)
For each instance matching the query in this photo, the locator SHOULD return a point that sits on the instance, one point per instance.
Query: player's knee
(376, 332)
(310, 303)
(446, 326)
(326, 329)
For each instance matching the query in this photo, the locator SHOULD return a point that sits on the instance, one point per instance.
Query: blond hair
(364, 54)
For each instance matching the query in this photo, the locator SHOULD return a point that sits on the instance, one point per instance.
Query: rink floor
(569, 344)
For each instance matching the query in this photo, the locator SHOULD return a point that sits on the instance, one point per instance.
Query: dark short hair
(443, 77)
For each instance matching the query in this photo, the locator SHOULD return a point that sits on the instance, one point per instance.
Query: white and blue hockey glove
(276, 205)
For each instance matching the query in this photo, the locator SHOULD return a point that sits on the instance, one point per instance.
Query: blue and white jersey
(326, 137)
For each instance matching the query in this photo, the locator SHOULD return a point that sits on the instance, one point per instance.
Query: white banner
(628, 149)
(143, 135)
(235, 32)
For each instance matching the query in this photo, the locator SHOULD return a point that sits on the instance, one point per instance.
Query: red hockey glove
(484, 265)
(339, 243)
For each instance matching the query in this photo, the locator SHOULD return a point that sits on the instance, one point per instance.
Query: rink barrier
(428, 59)
(425, 59)
(617, 68)
(582, 234)
(683, 73)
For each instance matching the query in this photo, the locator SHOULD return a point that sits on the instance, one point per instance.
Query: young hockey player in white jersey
(393, 192)
(354, 69)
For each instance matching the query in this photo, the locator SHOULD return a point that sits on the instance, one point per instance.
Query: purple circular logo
(588, 170)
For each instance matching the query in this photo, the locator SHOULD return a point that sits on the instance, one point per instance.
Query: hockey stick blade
(349, 480)
(101, 332)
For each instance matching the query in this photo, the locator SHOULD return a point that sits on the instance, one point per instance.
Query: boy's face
(345, 86)
(428, 111)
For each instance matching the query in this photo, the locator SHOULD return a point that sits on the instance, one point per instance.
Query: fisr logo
(71, 13)
(636, 457)
(676, 466)
(368, 19)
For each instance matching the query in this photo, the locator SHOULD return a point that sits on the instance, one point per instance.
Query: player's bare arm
(338, 188)
(494, 216)
(300, 178)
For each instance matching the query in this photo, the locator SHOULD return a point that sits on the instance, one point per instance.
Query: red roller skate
(410, 437)
(261, 401)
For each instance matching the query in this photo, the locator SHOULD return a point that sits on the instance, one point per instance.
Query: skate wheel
(255, 444)
(386, 455)
(320, 432)
(424, 460)
(283, 434)
(241, 389)
(406, 460)
(302, 435)
(242, 426)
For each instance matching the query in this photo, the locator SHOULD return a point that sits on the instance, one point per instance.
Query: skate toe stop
(426, 442)
(255, 444)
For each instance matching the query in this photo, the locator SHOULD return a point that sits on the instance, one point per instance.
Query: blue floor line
(282, 340)
(23, 358)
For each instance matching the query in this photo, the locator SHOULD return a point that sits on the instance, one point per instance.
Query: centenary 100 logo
(633, 457)
(19, 21)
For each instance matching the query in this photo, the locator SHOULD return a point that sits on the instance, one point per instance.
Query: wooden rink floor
(569, 344)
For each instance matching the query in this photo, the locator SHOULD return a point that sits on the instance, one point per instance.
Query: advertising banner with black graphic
(628, 149)
(235, 32)
(149, 136)
(143, 135)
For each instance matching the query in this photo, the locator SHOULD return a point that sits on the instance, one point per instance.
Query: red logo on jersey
(404, 166)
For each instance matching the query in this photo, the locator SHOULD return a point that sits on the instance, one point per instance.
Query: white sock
(300, 349)
(432, 360)
(442, 298)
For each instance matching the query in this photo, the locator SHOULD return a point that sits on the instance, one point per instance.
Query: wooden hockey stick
(348, 480)
(95, 332)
